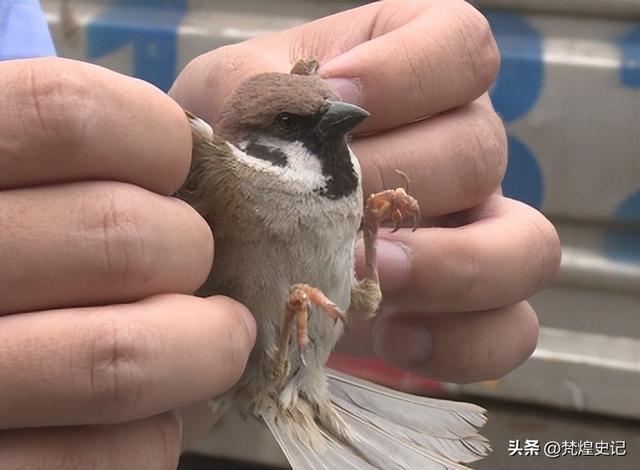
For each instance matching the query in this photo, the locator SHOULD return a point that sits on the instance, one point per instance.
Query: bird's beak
(339, 118)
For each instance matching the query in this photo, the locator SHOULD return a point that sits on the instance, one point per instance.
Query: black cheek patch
(269, 154)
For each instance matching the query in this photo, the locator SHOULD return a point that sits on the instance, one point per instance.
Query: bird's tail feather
(388, 429)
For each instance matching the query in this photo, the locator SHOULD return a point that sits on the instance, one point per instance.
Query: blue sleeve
(23, 30)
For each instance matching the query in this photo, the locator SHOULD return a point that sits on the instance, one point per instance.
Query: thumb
(208, 80)
(394, 265)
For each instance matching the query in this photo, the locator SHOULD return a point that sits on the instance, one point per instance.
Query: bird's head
(295, 123)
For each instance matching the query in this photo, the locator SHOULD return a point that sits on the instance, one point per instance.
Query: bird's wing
(208, 154)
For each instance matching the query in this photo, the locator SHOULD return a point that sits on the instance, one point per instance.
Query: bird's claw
(303, 361)
(395, 204)
(297, 308)
(416, 219)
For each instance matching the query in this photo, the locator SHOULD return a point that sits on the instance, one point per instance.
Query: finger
(431, 57)
(208, 80)
(152, 443)
(119, 363)
(399, 74)
(97, 242)
(64, 120)
(452, 347)
(454, 160)
(461, 347)
(498, 260)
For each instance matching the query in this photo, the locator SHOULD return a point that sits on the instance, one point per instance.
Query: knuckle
(488, 141)
(549, 248)
(218, 72)
(236, 348)
(530, 330)
(413, 63)
(115, 374)
(196, 66)
(222, 62)
(486, 359)
(501, 358)
(501, 148)
(202, 243)
(479, 44)
(115, 225)
(61, 105)
(505, 357)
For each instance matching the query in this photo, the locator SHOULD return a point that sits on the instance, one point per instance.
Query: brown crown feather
(259, 99)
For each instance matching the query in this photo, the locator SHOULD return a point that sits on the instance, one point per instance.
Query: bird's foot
(297, 308)
(397, 205)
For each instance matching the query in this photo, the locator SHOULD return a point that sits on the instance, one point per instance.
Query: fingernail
(349, 89)
(394, 265)
(402, 342)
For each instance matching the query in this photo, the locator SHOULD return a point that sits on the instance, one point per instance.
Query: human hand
(100, 342)
(455, 290)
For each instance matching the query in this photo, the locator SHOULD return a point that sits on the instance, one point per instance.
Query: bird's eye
(288, 122)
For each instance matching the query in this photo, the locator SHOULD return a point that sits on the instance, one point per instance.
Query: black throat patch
(335, 159)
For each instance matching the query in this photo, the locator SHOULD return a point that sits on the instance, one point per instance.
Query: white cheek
(303, 169)
(305, 165)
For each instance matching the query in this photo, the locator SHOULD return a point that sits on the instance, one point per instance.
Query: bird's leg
(396, 205)
(297, 307)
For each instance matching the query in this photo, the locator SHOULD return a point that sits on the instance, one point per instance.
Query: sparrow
(281, 189)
